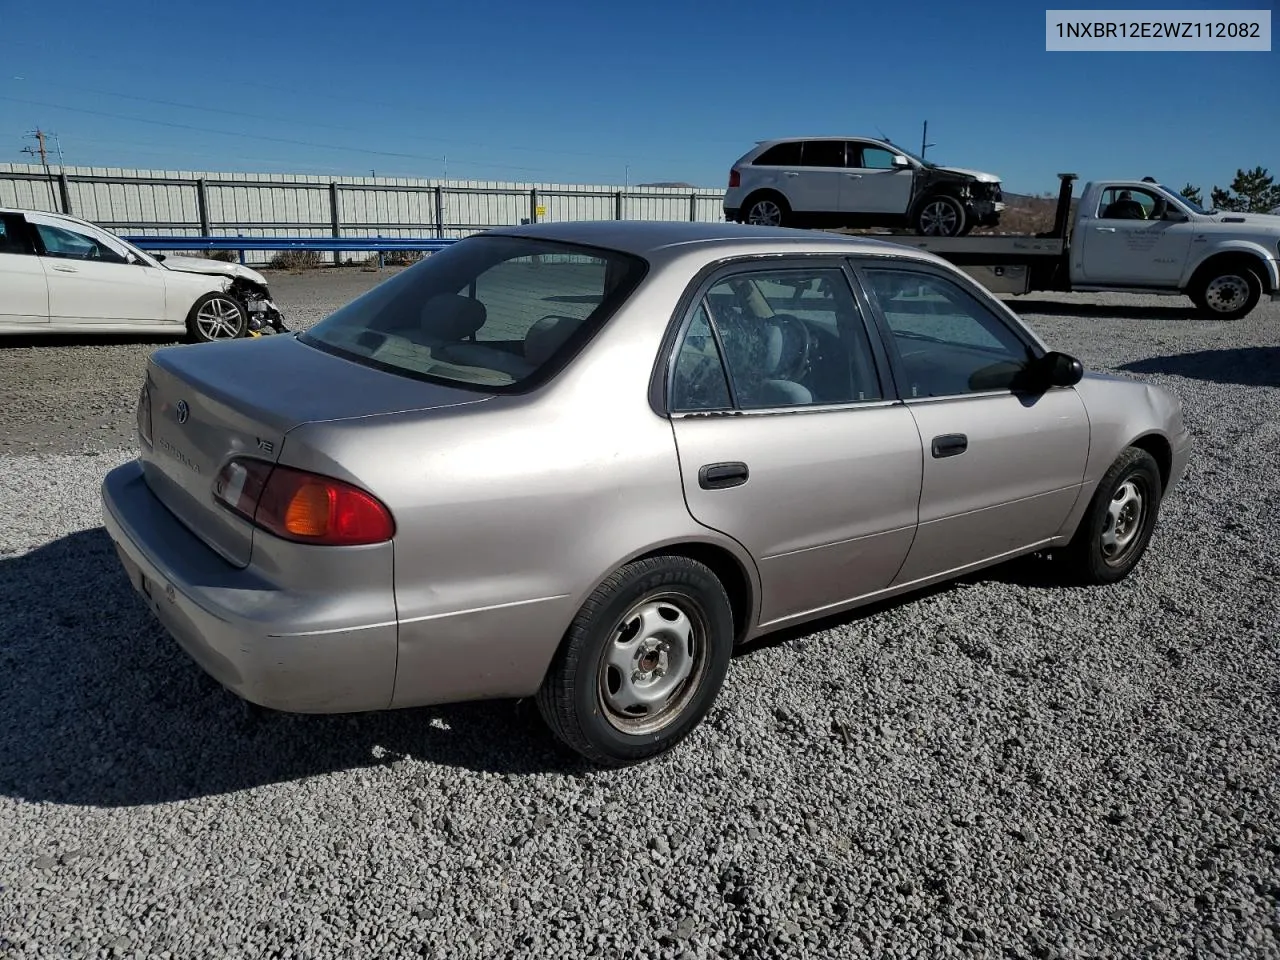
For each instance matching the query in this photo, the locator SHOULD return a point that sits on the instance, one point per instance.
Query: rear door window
(823, 153)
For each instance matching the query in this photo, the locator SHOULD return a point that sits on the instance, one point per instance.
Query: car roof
(647, 238)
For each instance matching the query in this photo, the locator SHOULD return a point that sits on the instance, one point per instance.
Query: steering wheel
(797, 346)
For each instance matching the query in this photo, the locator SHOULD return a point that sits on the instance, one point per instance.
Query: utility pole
(40, 150)
(924, 137)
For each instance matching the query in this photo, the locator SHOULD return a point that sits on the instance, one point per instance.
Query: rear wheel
(217, 316)
(1227, 292)
(940, 216)
(766, 210)
(1116, 529)
(642, 662)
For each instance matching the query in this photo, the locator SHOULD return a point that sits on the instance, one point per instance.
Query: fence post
(533, 205)
(202, 206)
(693, 206)
(241, 252)
(333, 218)
(64, 188)
(617, 205)
(439, 192)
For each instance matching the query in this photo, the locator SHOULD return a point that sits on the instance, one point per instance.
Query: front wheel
(940, 216)
(641, 663)
(1228, 293)
(217, 316)
(1116, 529)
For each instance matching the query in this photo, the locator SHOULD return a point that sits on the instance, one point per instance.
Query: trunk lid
(211, 402)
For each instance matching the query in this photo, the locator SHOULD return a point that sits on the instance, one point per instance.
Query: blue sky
(605, 93)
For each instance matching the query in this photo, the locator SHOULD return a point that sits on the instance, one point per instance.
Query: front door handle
(791, 173)
(854, 176)
(1105, 229)
(720, 476)
(950, 445)
(62, 269)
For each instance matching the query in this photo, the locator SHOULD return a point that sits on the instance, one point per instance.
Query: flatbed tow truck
(1129, 236)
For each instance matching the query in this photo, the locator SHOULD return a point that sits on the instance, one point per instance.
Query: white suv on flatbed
(858, 182)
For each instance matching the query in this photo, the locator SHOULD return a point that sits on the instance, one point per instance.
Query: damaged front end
(265, 317)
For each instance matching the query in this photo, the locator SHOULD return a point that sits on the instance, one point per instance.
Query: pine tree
(1251, 191)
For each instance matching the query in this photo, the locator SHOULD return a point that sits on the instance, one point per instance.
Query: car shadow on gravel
(46, 340)
(1243, 366)
(1137, 311)
(1033, 572)
(102, 708)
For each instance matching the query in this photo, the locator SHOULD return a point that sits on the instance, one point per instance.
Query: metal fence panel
(191, 203)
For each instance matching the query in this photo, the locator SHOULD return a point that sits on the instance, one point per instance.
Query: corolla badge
(183, 411)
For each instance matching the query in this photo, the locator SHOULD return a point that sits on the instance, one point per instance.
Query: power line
(258, 136)
(243, 115)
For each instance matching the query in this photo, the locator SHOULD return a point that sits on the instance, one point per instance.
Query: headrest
(546, 336)
(450, 316)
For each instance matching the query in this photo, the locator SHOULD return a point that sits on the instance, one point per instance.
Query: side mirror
(900, 162)
(158, 257)
(1056, 369)
(1177, 216)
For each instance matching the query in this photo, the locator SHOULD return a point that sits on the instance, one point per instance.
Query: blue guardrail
(371, 244)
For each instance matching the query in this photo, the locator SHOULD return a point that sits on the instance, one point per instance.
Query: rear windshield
(500, 313)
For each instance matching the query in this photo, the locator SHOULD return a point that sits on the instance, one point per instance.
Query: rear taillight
(144, 413)
(302, 506)
(735, 179)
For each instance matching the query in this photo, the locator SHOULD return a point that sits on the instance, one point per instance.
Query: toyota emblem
(183, 411)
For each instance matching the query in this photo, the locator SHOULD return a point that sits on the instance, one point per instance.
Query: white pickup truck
(1134, 236)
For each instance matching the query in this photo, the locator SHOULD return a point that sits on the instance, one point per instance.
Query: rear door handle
(791, 173)
(1105, 229)
(854, 176)
(720, 476)
(950, 445)
(62, 269)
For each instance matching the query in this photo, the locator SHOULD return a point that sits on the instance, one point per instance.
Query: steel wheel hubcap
(1225, 294)
(765, 213)
(938, 218)
(652, 664)
(219, 319)
(1125, 514)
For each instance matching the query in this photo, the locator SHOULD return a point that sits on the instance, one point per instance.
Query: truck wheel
(1228, 292)
(940, 216)
(766, 209)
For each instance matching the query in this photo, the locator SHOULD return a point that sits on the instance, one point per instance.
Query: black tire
(1227, 292)
(939, 216)
(579, 696)
(760, 205)
(1086, 559)
(217, 316)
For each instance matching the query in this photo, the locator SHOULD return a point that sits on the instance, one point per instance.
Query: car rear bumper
(286, 650)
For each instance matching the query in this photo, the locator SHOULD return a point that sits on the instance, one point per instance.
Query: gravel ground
(999, 769)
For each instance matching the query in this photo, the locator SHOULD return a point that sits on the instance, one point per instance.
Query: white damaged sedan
(60, 274)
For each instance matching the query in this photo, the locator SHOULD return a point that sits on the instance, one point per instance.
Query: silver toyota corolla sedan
(582, 461)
